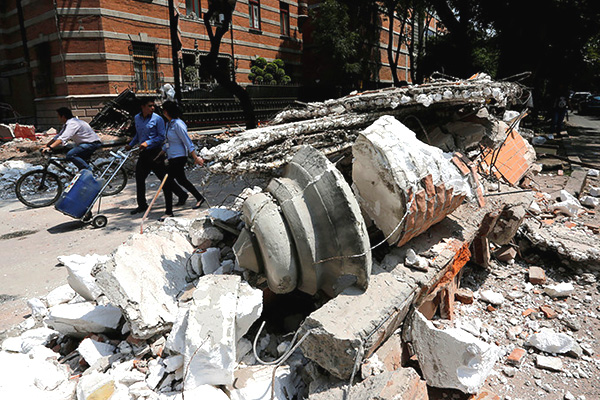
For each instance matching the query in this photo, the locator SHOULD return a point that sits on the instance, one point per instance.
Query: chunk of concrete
(246, 254)
(262, 217)
(80, 274)
(451, 358)
(537, 276)
(489, 296)
(568, 205)
(254, 383)
(326, 222)
(551, 342)
(590, 201)
(222, 308)
(24, 377)
(202, 231)
(335, 343)
(144, 277)
(563, 289)
(403, 184)
(36, 337)
(38, 308)
(507, 225)
(550, 363)
(95, 386)
(81, 319)
(60, 295)
(92, 350)
(210, 260)
(203, 392)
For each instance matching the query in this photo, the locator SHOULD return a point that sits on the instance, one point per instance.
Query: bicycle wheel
(38, 188)
(118, 182)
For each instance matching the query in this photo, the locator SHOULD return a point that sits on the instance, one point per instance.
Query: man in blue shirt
(150, 135)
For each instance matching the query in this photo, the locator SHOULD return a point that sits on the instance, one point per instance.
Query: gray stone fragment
(549, 363)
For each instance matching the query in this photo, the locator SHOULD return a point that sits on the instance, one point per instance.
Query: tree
(268, 72)
(225, 9)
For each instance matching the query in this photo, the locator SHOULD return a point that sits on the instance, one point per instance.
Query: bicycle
(43, 187)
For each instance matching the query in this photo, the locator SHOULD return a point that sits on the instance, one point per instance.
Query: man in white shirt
(86, 139)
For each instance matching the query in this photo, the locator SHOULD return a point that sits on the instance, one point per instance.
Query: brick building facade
(80, 54)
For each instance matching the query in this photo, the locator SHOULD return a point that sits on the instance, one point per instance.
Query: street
(32, 239)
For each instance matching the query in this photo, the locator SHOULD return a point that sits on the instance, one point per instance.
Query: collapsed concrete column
(318, 241)
(403, 184)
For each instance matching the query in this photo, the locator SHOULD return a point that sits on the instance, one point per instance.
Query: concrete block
(550, 363)
(335, 342)
(81, 319)
(210, 260)
(326, 222)
(24, 377)
(576, 182)
(38, 308)
(254, 383)
(392, 169)
(80, 274)
(173, 363)
(506, 254)
(202, 230)
(36, 337)
(144, 277)
(563, 289)
(262, 218)
(551, 342)
(451, 358)
(507, 224)
(248, 309)
(92, 350)
(60, 295)
(95, 386)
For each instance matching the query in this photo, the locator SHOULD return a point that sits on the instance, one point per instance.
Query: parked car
(577, 98)
(590, 106)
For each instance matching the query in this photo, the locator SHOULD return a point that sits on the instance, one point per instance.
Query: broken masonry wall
(403, 184)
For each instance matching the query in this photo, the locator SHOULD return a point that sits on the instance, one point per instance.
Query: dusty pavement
(32, 239)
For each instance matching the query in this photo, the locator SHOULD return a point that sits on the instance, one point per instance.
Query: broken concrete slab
(80, 274)
(60, 295)
(144, 277)
(246, 254)
(27, 378)
(95, 386)
(29, 339)
(403, 184)
(336, 343)
(507, 225)
(575, 248)
(451, 358)
(563, 289)
(92, 350)
(210, 259)
(576, 182)
(81, 319)
(569, 205)
(550, 363)
(202, 233)
(206, 334)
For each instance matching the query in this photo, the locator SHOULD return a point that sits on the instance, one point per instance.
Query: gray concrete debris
(334, 124)
(577, 248)
(92, 350)
(80, 274)
(563, 289)
(401, 384)
(551, 342)
(81, 319)
(206, 334)
(335, 343)
(451, 358)
(550, 363)
(144, 277)
(24, 377)
(403, 184)
(318, 241)
(203, 234)
(94, 386)
(507, 225)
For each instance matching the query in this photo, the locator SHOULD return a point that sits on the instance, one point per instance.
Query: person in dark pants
(86, 139)
(150, 135)
(177, 148)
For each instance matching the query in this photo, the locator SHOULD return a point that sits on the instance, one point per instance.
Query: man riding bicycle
(86, 139)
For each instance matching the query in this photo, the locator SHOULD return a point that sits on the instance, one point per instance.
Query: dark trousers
(80, 154)
(176, 171)
(145, 165)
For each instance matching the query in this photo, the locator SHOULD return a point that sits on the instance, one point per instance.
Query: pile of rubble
(354, 266)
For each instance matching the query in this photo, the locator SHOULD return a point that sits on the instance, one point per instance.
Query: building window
(144, 66)
(254, 13)
(192, 8)
(284, 18)
(44, 79)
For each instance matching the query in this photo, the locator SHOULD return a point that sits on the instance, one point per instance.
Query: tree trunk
(223, 77)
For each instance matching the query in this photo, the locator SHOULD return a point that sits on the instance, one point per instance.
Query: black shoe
(182, 200)
(198, 204)
(162, 219)
(138, 210)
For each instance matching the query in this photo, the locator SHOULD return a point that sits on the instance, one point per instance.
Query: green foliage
(271, 73)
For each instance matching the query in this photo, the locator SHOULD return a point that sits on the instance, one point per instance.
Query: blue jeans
(80, 154)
